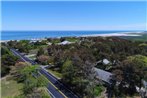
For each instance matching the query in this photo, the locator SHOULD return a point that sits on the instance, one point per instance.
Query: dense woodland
(128, 61)
(75, 62)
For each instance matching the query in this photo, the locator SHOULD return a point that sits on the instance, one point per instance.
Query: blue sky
(80, 15)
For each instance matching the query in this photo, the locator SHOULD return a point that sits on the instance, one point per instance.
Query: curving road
(55, 87)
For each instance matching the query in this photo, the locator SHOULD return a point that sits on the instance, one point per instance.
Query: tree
(12, 43)
(68, 71)
(143, 48)
(130, 73)
(7, 60)
(16, 71)
(32, 81)
(4, 50)
(40, 51)
(42, 59)
(4, 70)
(78, 70)
(62, 39)
(23, 46)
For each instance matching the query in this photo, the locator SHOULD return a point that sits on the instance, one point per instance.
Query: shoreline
(112, 34)
(89, 35)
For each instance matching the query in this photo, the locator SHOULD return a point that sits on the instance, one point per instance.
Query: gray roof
(103, 75)
(144, 83)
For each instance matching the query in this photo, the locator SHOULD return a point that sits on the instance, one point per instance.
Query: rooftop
(103, 75)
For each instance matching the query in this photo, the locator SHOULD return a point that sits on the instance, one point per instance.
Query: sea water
(28, 35)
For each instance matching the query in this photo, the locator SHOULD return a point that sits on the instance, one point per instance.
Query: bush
(43, 59)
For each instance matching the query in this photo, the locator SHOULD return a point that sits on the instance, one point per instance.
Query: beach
(40, 35)
(112, 34)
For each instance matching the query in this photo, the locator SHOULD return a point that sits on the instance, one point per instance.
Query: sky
(74, 15)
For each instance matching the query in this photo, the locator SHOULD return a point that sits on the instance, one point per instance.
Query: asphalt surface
(55, 88)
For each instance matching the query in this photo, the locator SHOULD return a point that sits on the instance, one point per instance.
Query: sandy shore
(112, 34)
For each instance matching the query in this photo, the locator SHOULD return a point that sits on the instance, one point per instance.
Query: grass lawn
(10, 88)
(98, 90)
(56, 41)
(33, 51)
(72, 39)
(33, 57)
(57, 74)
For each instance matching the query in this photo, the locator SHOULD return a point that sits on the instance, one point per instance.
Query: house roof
(103, 75)
(64, 43)
(144, 83)
(105, 61)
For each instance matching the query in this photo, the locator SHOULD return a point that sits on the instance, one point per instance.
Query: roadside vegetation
(20, 79)
(56, 73)
(32, 82)
(7, 60)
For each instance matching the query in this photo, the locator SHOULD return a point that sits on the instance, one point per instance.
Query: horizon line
(80, 0)
(73, 30)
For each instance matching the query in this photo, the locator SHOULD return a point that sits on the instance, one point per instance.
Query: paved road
(55, 87)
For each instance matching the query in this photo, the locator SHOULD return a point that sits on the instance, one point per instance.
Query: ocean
(28, 35)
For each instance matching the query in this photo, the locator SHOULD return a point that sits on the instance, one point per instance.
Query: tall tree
(130, 73)
(32, 81)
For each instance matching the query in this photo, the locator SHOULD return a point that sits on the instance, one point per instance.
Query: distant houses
(35, 40)
(64, 43)
(49, 43)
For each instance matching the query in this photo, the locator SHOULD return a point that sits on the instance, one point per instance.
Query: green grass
(55, 41)
(98, 90)
(71, 39)
(43, 46)
(33, 51)
(45, 93)
(33, 57)
(57, 74)
(10, 88)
